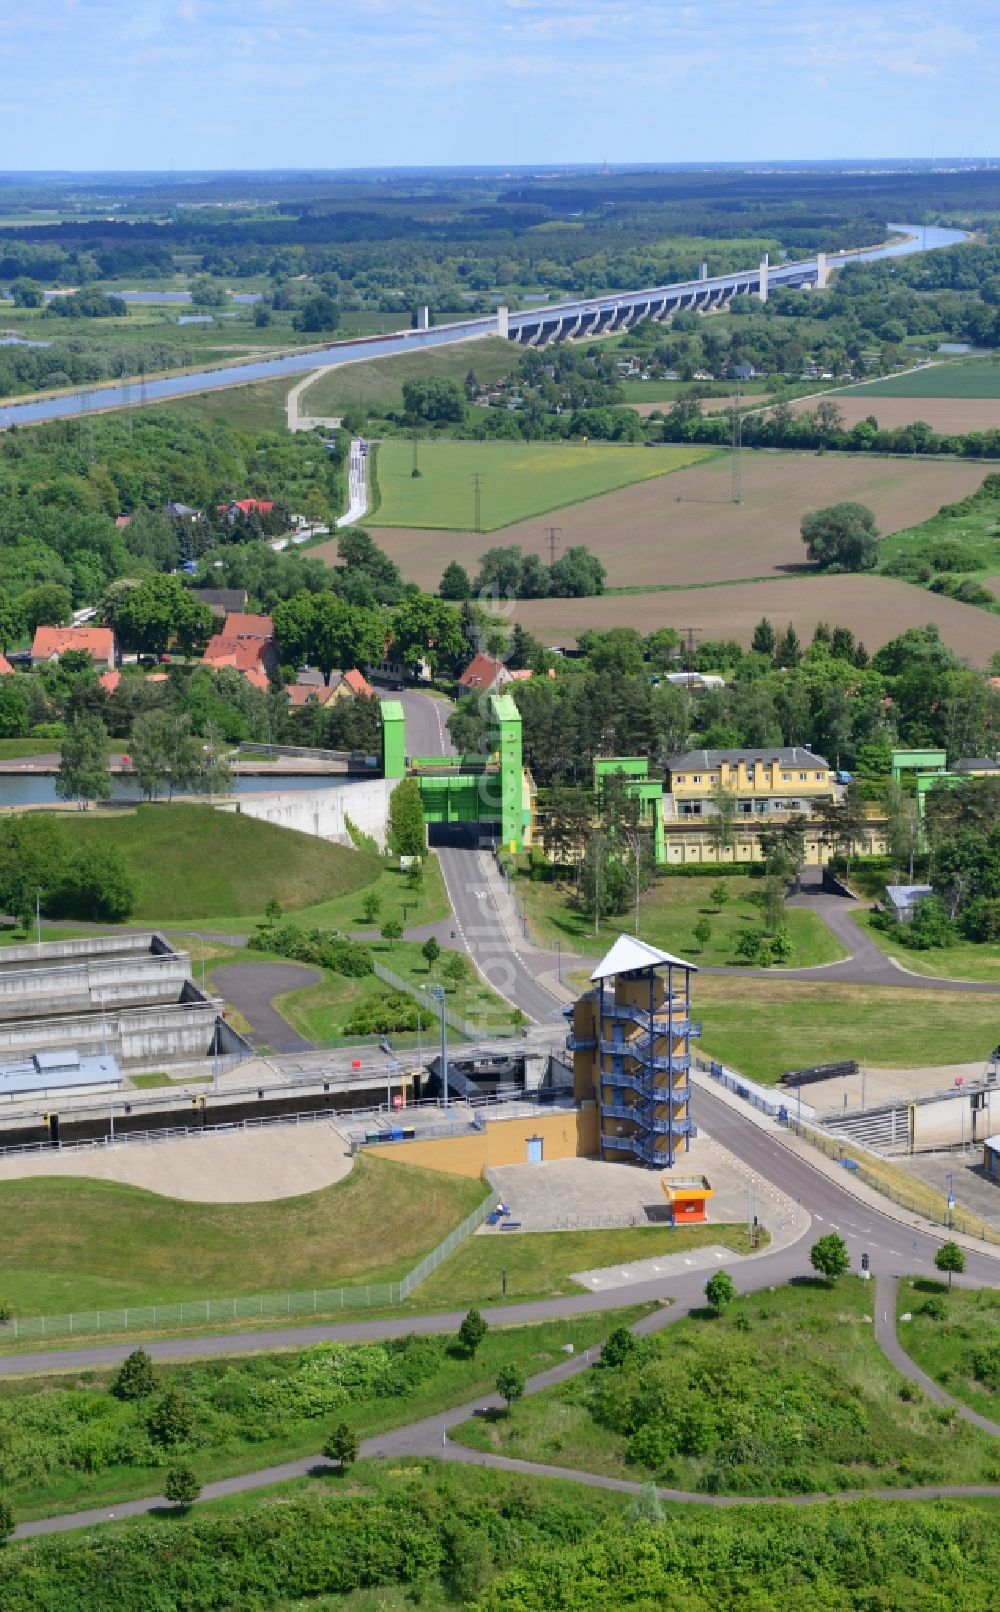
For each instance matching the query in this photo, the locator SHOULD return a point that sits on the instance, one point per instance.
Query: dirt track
(876, 608)
(684, 528)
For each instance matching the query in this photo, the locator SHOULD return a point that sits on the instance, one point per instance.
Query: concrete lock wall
(53, 953)
(79, 987)
(323, 812)
(948, 1120)
(166, 1033)
(564, 1133)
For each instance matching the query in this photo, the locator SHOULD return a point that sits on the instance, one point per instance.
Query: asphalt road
(250, 987)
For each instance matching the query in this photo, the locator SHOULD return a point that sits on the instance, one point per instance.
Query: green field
(763, 1026)
(966, 960)
(542, 1263)
(786, 1393)
(84, 1245)
(979, 378)
(969, 528)
(668, 912)
(192, 862)
(379, 381)
(519, 479)
(959, 1349)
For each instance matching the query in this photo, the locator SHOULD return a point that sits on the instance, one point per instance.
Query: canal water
(39, 788)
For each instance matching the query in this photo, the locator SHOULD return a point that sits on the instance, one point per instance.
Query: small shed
(904, 899)
(688, 1199)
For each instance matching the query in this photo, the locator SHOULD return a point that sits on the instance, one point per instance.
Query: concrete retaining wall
(323, 812)
(948, 1120)
(85, 986)
(163, 1034)
(52, 953)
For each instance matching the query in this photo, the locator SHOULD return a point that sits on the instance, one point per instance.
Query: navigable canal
(91, 400)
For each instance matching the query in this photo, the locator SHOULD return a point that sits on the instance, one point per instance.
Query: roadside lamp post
(437, 992)
(950, 1178)
(38, 915)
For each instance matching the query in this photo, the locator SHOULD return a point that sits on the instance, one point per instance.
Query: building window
(679, 779)
(696, 778)
(714, 779)
(819, 777)
(786, 778)
(803, 777)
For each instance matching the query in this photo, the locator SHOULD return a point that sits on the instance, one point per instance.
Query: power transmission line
(552, 543)
(477, 481)
(737, 446)
(688, 633)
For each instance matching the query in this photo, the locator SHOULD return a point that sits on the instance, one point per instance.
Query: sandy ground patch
(875, 608)
(279, 1161)
(886, 1085)
(685, 528)
(948, 415)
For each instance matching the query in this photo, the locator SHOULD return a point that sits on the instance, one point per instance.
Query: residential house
(242, 627)
(483, 675)
(222, 601)
(181, 512)
(247, 643)
(242, 509)
(51, 643)
(309, 688)
(6, 669)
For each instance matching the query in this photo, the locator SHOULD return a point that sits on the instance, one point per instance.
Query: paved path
(888, 1339)
(251, 986)
(306, 422)
(357, 485)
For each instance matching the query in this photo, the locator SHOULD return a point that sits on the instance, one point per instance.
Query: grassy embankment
(787, 1392)
(965, 960)
(74, 1244)
(668, 912)
(519, 479)
(960, 1348)
(378, 382)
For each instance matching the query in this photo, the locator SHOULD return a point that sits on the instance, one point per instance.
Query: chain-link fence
(255, 1307)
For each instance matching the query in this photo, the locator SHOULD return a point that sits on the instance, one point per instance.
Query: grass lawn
(82, 1245)
(787, 1392)
(426, 905)
(191, 862)
(379, 381)
(254, 1412)
(519, 479)
(668, 912)
(966, 960)
(763, 1026)
(320, 1012)
(974, 528)
(540, 1263)
(978, 378)
(960, 1351)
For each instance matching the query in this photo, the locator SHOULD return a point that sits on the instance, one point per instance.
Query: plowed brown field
(876, 608)
(948, 415)
(684, 528)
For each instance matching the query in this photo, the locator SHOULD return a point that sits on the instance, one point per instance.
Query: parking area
(959, 1173)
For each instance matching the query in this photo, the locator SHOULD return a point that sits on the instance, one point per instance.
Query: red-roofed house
(483, 675)
(241, 626)
(254, 657)
(51, 643)
(109, 681)
(6, 669)
(240, 508)
(308, 691)
(358, 684)
(300, 695)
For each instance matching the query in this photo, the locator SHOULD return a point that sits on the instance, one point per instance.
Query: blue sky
(357, 83)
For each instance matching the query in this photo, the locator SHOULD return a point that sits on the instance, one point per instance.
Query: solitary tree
(720, 1290)
(829, 1256)
(136, 1378)
(391, 930)
(620, 1348)
(510, 1384)
(342, 1446)
(454, 969)
(171, 1419)
(841, 537)
(182, 1486)
(370, 906)
(472, 1332)
(719, 894)
(431, 951)
(407, 828)
(950, 1258)
(83, 766)
(702, 933)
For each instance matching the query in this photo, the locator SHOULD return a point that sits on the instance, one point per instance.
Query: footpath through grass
(954, 1335)
(70, 1443)
(668, 913)
(786, 1393)
(540, 1264)
(764, 1026)
(518, 479)
(74, 1244)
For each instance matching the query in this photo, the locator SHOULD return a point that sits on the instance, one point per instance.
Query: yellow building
(631, 1050)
